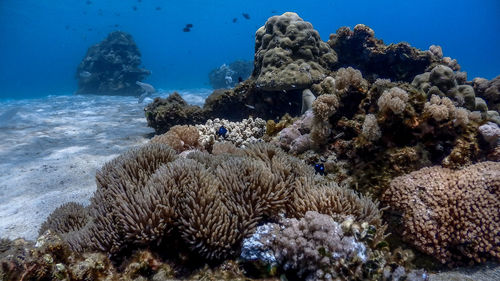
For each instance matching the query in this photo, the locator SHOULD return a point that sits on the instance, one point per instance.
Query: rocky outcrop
(360, 49)
(111, 67)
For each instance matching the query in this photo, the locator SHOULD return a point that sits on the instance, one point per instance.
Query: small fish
(246, 16)
(250, 106)
(134, 8)
(319, 168)
(85, 74)
(158, 8)
(185, 29)
(116, 25)
(189, 25)
(235, 20)
(222, 131)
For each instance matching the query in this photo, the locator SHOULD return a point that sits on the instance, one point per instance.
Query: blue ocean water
(42, 42)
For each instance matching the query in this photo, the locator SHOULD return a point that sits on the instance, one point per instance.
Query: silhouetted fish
(158, 8)
(88, 2)
(186, 29)
(245, 15)
(134, 8)
(189, 25)
(240, 79)
(235, 20)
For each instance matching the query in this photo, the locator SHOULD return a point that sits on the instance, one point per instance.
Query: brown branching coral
(180, 138)
(66, 218)
(451, 215)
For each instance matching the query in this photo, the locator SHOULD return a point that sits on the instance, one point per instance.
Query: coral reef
(489, 91)
(360, 49)
(162, 114)
(238, 133)
(66, 218)
(180, 138)
(289, 54)
(111, 67)
(451, 215)
(227, 76)
(316, 247)
(209, 203)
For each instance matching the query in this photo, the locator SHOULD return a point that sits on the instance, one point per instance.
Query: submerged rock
(111, 67)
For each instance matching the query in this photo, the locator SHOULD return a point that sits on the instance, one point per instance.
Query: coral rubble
(111, 67)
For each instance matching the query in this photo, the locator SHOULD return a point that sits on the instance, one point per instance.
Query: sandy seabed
(51, 148)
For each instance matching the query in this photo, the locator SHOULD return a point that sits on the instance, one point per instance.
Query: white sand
(51, 148)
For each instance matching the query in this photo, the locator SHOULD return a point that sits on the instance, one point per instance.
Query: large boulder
(111, 67)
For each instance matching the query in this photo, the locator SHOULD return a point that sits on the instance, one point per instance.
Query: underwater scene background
(41, 42)
(249, 140)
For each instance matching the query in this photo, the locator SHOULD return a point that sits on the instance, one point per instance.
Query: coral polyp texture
(209, 203)
(452, 215)
(289, 54)
(112, 67)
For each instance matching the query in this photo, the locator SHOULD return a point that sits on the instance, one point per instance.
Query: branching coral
(451, 215)
(239, 133)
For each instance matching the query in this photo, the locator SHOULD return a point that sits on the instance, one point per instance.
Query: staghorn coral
(451, 215)
(68, 217)
(289, 54)
(207, 202)
(180, 138)
(394, 99)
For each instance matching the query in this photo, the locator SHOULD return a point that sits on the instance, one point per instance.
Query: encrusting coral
(450, 215)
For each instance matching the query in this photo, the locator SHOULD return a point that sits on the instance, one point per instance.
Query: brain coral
(450, 214)
(209, 203)
(289, 54)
